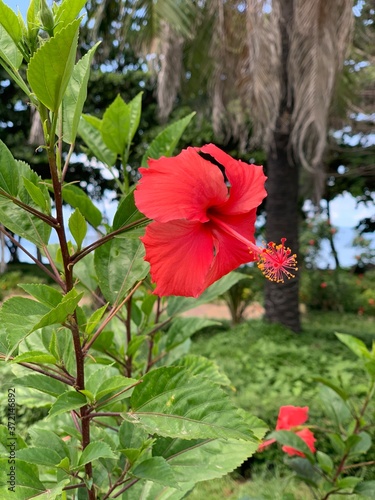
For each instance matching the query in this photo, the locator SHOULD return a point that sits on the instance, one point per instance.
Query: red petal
(182, 187)
(180, 254)
(309, 439)
(247, 181)
(231, 252)
(291, 416)
(265, 444)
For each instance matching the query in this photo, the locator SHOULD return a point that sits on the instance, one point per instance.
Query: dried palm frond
(169, 75)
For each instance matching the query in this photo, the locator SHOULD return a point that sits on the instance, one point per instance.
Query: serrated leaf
(66, 12)
(54, 492)
(36, 194)
(90, 131)
(9, 176)
(94, 319)
(79, 199)
(177, 305)
(59, 314)
(10, 22)
(42, 383)
(165, 142)
(37, 357)
(171, 402)
(119, 264)
(131, 436)
(9, 52)
(115, 126)
(199, 460)
(45, 438)
(183, 328)
(52, 65)
(155, 469)
(78, 227)
(289, 438)
(94, 451)
(75, 95)
(28, 484)
(70, 400)
(199, 365)
(116, 383)
(18, 316)
(126, 212)
(45, 294)
(39, 456)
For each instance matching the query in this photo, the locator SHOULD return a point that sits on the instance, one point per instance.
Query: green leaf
(79, 199)
(362, 445)
(355, 345)
(89, 129)
(325, 462)
(28, 484)
(54, 492)
(42, 383)
(70, 400)
(116, 383)
(200, 460)
(365, 489)
(155, 469)
(348, 482)
(84, 270)
(51, 67)
(66, 12)
(289, 438)
(18, 316)
(9, 176)
(36, 194)
(335, 407)
(75, 95)
(337, 443)
(177, 305)
(59, 314)
(304, 470)
(135, 107)
(94, 319)
(165, 142)
(94, 451)
(45, 438)
(45, 294)
(126, 212)
(38, 357)
(199, 365)
(343, 394)
(131, 436)
(171, 402)
(10, 22)
(9, 52)
(183, 328)
(78, 227)
(115, 126)
(39, 456)
(119, 264)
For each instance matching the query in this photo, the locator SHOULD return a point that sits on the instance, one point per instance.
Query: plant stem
(128, 361)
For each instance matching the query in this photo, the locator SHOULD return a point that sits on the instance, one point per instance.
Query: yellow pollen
(277, 262)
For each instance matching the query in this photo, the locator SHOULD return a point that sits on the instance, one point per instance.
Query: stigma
(276, 262)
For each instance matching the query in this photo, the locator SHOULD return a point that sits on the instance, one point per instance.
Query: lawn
(271, 367)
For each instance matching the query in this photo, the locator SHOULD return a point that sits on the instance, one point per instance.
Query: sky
(344, 212)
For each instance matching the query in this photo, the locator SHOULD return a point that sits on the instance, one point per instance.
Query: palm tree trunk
(281, 300)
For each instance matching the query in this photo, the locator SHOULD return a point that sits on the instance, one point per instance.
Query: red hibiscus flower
(204, 214)
(290, 419)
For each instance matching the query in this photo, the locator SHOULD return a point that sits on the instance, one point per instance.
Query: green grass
(271, 367)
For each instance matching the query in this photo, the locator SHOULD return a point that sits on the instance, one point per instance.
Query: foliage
(130, 412)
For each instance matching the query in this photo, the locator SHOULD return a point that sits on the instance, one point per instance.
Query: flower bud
(46, 17)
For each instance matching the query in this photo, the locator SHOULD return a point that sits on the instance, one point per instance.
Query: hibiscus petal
(231, 252)
(180, 254)
(291, 416)
(182, 187)
(309, 439)
(247, 181)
